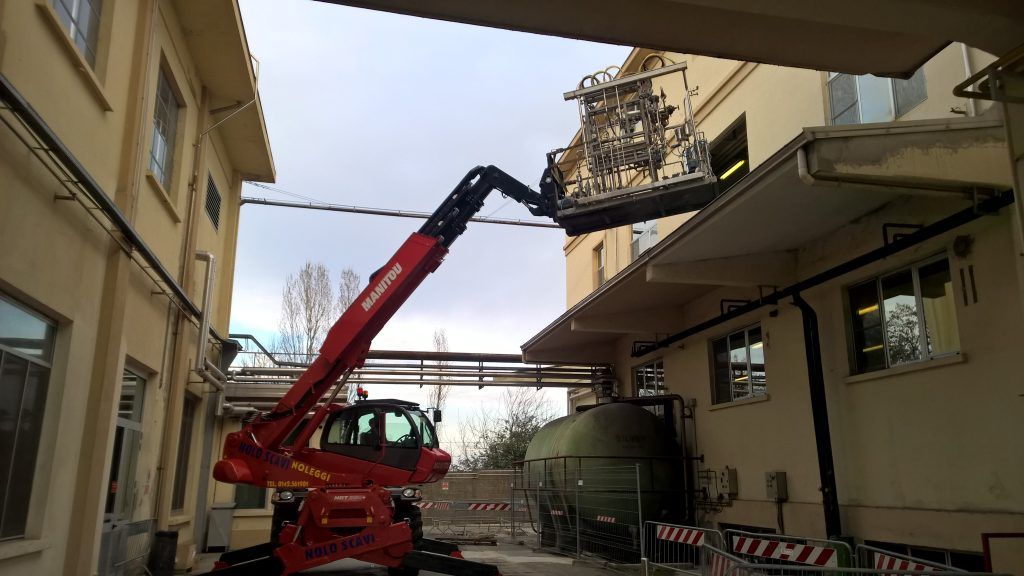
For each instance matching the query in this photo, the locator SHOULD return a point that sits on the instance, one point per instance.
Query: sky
(389, 111)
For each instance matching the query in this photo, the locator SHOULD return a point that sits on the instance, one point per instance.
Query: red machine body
(365, 446)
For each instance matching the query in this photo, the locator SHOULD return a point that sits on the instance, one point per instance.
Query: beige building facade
(129, 128)
(866, 199)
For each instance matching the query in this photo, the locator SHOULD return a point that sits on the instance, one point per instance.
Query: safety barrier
(782, 549)
(879, 559)
(124, 548)
(674, 547)
(716, 562)
(471, 519)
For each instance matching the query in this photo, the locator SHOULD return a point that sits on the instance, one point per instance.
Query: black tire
(409, 512)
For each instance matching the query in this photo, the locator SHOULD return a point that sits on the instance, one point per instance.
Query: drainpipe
(819, 416)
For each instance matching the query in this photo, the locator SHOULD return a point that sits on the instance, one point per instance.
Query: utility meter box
(727, 484)
(775, 486)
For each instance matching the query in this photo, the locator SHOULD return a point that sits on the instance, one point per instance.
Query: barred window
(165, 129)
(213, 202)
(867, 98)
(81, 18)
(649, 379)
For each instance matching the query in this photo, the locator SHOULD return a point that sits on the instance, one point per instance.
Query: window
(121, 486)
(165, 128)
(188, 418)
(354, 428)
(904, 316)
(399, 430)
(250, 497)
(739, 366)
(26, 348)
(729, 159)
(81, 18)
(858, 99)
(599, 265)
(649, 379)
(645, 235)
(426, 432)
(213, 202)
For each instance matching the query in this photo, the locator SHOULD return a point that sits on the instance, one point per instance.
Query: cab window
(399, 430)
(426, 431)
(354, 428)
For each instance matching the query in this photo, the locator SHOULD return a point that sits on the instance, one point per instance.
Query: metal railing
(124, 548)
(880, 559)
(676, 548)
(579, 508)
(473, 519)
(717, 562)
(781, 549)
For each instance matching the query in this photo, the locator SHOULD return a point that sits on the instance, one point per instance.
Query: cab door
(354, 432)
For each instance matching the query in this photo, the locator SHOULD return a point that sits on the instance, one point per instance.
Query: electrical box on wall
(775, 486)
(727, 483)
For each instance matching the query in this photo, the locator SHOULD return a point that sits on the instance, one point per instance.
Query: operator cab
(389, 432)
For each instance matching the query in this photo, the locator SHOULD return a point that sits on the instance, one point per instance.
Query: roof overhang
(885, 37)
(821, 181)
(216, 37)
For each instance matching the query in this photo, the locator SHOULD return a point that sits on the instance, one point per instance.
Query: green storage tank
(601, 466)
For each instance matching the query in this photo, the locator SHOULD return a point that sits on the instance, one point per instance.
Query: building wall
(61, 263)
(925, 453)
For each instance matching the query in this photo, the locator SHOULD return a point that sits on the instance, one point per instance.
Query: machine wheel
(412, 513)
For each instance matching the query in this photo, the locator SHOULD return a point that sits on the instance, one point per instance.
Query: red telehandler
(368, 446)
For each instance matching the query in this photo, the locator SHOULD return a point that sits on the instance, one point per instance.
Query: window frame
(38, 363)
(924, 355)
(897, 112)
(745, 331)
(165, 176)
(639, 231)
(600, 265)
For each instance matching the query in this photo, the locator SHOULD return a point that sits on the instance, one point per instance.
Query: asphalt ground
(511, 559)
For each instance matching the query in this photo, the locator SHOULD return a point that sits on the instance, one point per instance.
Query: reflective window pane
(875, 99)
(723, 383)
(842, 91)
(738, 372)
(398, 429)
(866, 320)
(132, 390)
(902, 330)
(250, 497)
(24, 332)
(758, 381)
(939, 308)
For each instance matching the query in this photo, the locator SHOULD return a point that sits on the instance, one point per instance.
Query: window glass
(939, 308)
(866, 316)
(902, 332)
(25, 341)
(874, 98)
(399, 430)
(355, 428)
(24, 332)
(842, 89)
(739, 366)
(426, 432)
(81, 18)
(757, 374)
(909, 92)
(645, 235)
(650, 379)
(599, 263)
(132, 390)
(165, 127)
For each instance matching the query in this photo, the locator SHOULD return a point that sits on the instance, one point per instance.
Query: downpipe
(819, 416)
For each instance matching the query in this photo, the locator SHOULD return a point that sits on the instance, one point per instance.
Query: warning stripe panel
(886, 562)
(787, 551)
(691, 536)
(608, 519)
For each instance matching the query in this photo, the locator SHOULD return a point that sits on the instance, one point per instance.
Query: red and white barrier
(720, 565)
(489, 506)
(886, 562)
(690, 536)
(786, 551)
(555, 512)
(608, 519)
(433, 505)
